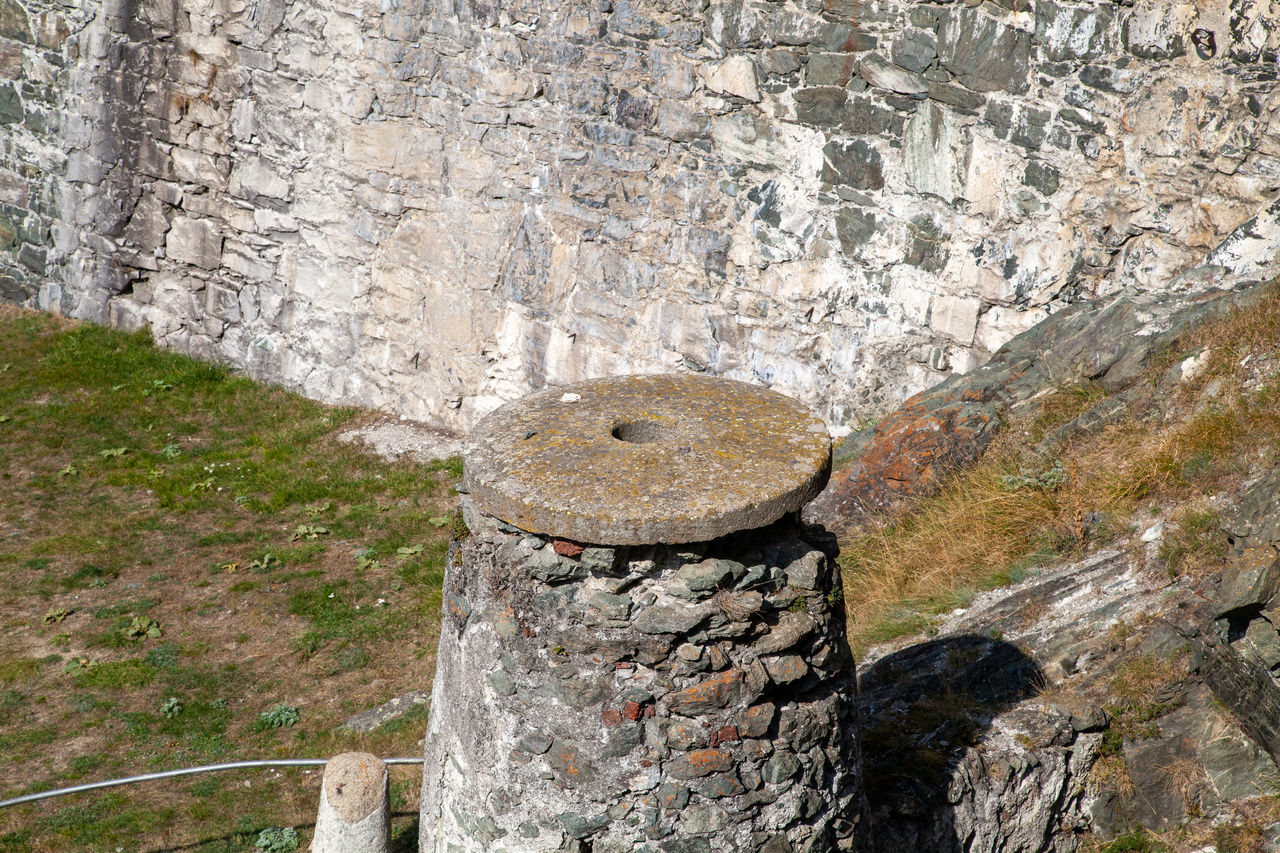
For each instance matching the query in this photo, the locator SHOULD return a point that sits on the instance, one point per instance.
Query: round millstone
(636, 460)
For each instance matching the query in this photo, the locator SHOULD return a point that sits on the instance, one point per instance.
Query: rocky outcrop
(435, 207)
(958, 760)
(1094, 713)
(1241, 652)
(1110, 341)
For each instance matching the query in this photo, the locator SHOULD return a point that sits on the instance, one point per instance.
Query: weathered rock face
(1103, 707)
(1110, 341)
(958, 760)
(1242, 651)
(690, 698)
(435, 207)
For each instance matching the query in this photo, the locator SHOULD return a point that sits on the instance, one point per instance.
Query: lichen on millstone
(638, 460)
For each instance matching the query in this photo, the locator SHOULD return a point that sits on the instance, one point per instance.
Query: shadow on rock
(922, 708)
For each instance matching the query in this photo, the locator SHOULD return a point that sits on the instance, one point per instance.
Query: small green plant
(264, 564)
(112, 452)
(170, 451)
(278, 717)
(308, 531)
(1048, 480)
(157, 385)
(439, 521)
(164, 656)
(77, 665)
(56, 614)
(408, 551)
(275, 839)
(171, 708)
(1136, 841)
(141, 626)
(69, 471)
(315, 510)
(459, 529)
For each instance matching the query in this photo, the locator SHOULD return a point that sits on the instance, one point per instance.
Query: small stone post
(642, 647)
(355, 812)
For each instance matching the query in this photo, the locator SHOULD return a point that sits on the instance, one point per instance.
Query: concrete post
(355, 814)
(642, 648)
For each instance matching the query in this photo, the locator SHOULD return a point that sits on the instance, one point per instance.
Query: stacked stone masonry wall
(697, 697)
(433, 206)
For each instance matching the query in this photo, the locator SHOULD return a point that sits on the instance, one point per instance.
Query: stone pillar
(642, 648)
(355, 812)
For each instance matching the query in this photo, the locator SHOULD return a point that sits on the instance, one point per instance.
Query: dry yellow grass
(980, 531)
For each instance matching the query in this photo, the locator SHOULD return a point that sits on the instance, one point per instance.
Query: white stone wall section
(434, 207)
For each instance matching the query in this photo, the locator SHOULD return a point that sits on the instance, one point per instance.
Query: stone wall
(432, 206)
(695, 698)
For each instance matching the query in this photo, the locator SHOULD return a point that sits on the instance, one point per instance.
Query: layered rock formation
(434, 207)
(1128, 692)
(1110, 341)
(1110, 703)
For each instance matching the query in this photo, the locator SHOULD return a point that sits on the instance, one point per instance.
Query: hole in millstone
(640, 432)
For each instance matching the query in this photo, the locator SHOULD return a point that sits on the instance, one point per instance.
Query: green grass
(116, 675)
(1197, 543)
(111, 819)
(18, 669)
(1135, 841)
(142, 483)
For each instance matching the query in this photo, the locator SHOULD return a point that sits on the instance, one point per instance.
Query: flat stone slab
(637, 460)
(367, 721)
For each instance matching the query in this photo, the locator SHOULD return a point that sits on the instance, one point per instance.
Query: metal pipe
(186, 771)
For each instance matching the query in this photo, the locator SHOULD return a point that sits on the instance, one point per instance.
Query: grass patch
(88, 575)
(1135, 688)
(1196, 544)
(1063, 406)
(18, 670)
(143, 485)
(117, 675)
(1135, 841)
(971, 535)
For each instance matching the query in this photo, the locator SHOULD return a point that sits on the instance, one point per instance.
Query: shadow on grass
(921, 708)
(404, 839)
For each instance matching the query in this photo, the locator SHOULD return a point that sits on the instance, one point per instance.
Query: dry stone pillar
(642, 648)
